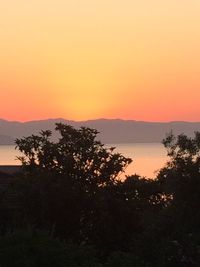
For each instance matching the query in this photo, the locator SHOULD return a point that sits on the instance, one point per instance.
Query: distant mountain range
(111, 130)
(6, 140)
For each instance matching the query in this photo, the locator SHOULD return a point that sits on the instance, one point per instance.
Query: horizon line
(95, 119)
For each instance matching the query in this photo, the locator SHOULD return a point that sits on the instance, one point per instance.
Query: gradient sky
(130, 59)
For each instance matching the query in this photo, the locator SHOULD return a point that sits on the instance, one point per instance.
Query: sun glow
(90, 59)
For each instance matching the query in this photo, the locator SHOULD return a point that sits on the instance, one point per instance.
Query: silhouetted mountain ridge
(111, 130)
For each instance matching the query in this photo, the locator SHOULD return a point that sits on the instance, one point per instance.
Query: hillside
(6, 140)
(111, 131)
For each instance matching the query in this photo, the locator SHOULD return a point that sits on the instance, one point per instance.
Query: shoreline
(10, 169)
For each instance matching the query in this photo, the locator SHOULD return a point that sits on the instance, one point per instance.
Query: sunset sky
(129, 59)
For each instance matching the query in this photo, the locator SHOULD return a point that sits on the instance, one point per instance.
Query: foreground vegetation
(69, 206)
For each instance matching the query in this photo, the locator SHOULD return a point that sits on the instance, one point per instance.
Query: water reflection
(8, 155)
(147, 157)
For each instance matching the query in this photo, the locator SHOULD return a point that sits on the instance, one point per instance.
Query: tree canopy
(70, 193)
(77, 155)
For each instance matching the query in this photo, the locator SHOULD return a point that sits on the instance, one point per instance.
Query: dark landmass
(111, 130)
(9, 169)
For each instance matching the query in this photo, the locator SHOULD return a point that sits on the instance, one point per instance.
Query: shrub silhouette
(64, 179)
(72, 188)
(77, 155)
(31, 248)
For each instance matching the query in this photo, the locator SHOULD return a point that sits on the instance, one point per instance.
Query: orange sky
(100, 58)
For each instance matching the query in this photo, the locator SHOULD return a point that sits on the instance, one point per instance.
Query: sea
(147, 158)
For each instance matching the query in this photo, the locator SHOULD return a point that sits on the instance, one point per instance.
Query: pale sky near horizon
(105, 58)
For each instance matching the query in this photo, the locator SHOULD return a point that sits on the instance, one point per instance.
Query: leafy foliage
(77, 154)
(31, 248)
(72, 188)
(64, 179)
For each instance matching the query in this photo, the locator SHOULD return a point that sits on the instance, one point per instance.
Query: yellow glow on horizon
(90, 59)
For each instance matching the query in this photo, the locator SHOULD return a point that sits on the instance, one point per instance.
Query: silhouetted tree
(73, 187)
(63, 178)
(181, 176)
(180, 181)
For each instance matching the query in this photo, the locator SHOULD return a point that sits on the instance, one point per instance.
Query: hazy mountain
(111, 131)
(6, 140)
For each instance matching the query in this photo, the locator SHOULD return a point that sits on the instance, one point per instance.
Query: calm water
(147, 158)
(8, 155)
